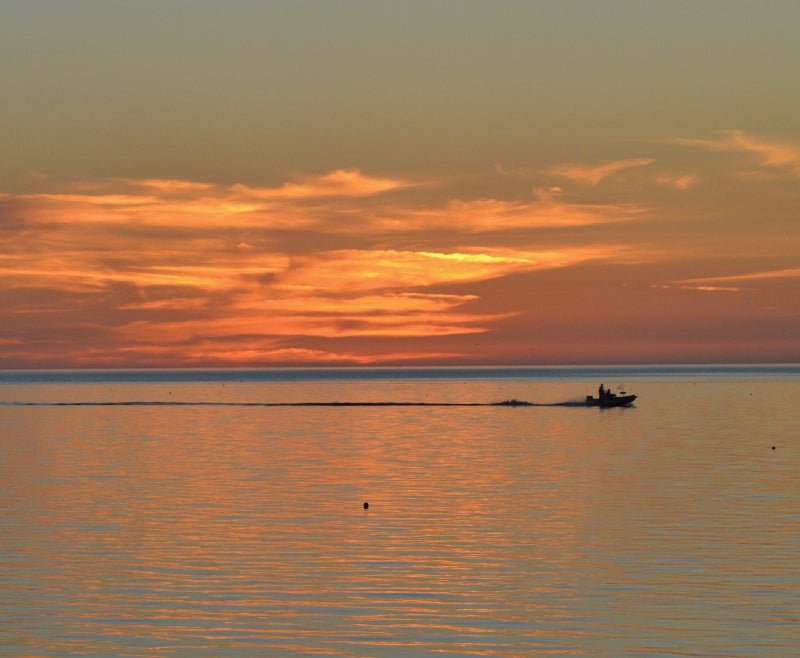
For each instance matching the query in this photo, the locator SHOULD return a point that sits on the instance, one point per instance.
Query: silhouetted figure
(366, 505)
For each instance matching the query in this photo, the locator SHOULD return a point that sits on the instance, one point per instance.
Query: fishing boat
(606, 398)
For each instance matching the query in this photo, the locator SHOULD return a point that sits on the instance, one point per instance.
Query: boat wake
(175, 403)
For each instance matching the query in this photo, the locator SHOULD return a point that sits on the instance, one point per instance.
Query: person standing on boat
(601, 392)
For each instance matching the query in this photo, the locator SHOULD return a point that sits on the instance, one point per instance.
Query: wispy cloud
(788, 273)
(337, 268)
(231, 273)
(594, 174)
(187, 203)
(679, 181)
(717, 283)
(701, 287)
(342, 182)
(775, 155)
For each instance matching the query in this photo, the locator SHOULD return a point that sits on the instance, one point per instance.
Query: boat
(606, 398)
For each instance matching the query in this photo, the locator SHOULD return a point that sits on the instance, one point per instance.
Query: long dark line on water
(170, 403)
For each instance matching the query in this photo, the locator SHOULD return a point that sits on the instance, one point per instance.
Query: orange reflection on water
(495, 529)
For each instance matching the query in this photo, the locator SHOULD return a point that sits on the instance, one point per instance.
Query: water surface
(669, 528)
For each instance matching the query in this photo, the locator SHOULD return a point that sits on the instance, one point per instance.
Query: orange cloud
(171, 187)
(344, 202)
(266, 327)
(707, 284)
(776, 155)
(342, 182)
(380, 269)
(170, 271)
(237, 353)
(357, 270)
(192, 204)
(366, 305)
(790, 273)
(594, 174)
(705, 288)
(680, 182)
(491, 215)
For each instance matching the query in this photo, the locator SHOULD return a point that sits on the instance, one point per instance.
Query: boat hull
(610, 401)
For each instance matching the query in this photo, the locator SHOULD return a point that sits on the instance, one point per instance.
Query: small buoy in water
(773, 447)
(366, 505)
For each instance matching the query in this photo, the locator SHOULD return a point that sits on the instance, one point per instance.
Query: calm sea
(218, 513)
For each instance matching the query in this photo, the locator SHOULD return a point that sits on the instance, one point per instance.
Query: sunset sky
(252, 183)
